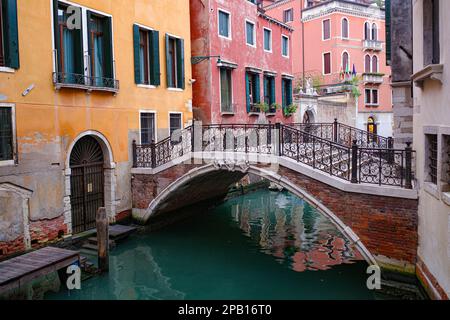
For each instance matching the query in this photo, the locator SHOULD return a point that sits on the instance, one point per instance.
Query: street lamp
(197, 60)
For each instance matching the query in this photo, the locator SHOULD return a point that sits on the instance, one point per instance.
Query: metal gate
(86, 183)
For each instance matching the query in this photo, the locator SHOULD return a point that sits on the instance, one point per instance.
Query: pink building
(242, 63)
(332, 37)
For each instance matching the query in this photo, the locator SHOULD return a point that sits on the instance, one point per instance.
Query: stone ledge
(431, 72)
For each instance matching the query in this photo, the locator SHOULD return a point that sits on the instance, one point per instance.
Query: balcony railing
(372, 45)
(80, 81)
(375, 78)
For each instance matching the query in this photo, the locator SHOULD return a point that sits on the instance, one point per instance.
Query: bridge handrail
(355, 163)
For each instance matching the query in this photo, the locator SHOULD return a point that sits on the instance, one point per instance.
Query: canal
(262, 245)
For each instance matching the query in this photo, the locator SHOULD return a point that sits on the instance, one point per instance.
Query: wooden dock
(16, 272)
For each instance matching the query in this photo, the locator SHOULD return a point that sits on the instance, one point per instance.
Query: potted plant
(274, 107)
(289, 110)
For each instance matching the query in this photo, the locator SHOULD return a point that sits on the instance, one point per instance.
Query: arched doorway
(86, 183)
(372, 126)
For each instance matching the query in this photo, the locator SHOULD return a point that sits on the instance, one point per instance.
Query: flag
(354, 70)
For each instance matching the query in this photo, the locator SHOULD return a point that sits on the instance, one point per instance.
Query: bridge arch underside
(383, 229)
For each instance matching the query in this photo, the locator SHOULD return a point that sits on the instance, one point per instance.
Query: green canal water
(263, 245)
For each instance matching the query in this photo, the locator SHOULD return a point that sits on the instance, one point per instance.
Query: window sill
(446, 198)
(146, 86)
(432, 189)
(89, 89)
(431, 72)
(7, 163)
(224, 114)
(271, 114)
(175, 89)
(7, 70)
(254, 114)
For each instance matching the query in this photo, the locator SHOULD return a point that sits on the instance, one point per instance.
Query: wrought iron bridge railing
(324, 147)
(81, 81)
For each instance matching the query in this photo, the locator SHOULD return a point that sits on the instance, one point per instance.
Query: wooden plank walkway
(16, 272)
(118, 231)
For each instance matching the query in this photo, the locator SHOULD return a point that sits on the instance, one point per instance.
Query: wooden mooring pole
(103, 240)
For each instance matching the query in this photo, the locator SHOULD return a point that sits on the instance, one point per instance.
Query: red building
(242, 63)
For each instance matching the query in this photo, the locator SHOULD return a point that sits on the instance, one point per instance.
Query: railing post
(355, 161)
(390, 145)
(280, 138)
(134, 151)
(193, 136)
(335, 130)
(153, 153)
(408, 164)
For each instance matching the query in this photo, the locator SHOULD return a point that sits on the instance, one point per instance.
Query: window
(252, 91)
(9, 39)
(100, 49)
(371, 97)
(148, 127)
(285, 46)
(6, 134)
(226, 90)
(431, 32)
(224, 24)
(432, 146)
(286, 89)
(367, 64)
(175, 62)
(345, 28)
(326, 29)
(267, 40)
(146, 56)
(269, 91)
(345, 62)
(446, 158)
(175, 122)
(288, 15)
(374, 32)
(374, 64)
(327, 63)
(372, 126)
(250, 33)
(366, 31)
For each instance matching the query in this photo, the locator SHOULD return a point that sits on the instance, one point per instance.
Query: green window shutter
(180, 64)
(155, 69)
(78, 47)
(283, 93)
(258, 89)
(109, 62)
(168, 63)
(272, 91)
(289, 92)
(137, 60)
(11, 35)
(266, 87)
(247, 91)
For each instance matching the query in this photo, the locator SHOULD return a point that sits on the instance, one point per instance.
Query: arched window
(367, 64)
(371, 126)
(345, 62)
(374, 32)
(366, 31)
(374, 64)
(345, 28)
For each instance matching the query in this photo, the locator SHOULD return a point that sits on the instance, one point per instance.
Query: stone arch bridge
(357, 180)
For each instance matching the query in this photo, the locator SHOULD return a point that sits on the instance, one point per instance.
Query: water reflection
(292, 231)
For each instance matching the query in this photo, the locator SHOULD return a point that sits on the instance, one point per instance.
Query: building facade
(79, 82)
(432, 141)
(335, 40)
(245, 74)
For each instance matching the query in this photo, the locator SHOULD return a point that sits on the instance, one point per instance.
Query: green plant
(262, 106)
(275, 106)
(289, 110)
(354, 82)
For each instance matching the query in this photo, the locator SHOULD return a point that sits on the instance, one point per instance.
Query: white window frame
(342, 59)
(220, 89)
(371, 104)
(323, 63)
(371, 64)
(254, 33)
(181, 120)
(364, 30)
(140, 85)
(85, 48)
(288, 44)
(286, 10)
(264, 40)
(229, 24)
(12, 162)
(323, 30)
(348, 28)
(371, 30)
(141, 111)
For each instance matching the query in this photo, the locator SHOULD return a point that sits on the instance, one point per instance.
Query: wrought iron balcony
(375, 78)
(372, 45)
(83, 82)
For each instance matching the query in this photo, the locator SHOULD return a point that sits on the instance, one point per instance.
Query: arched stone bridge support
(383, 228)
